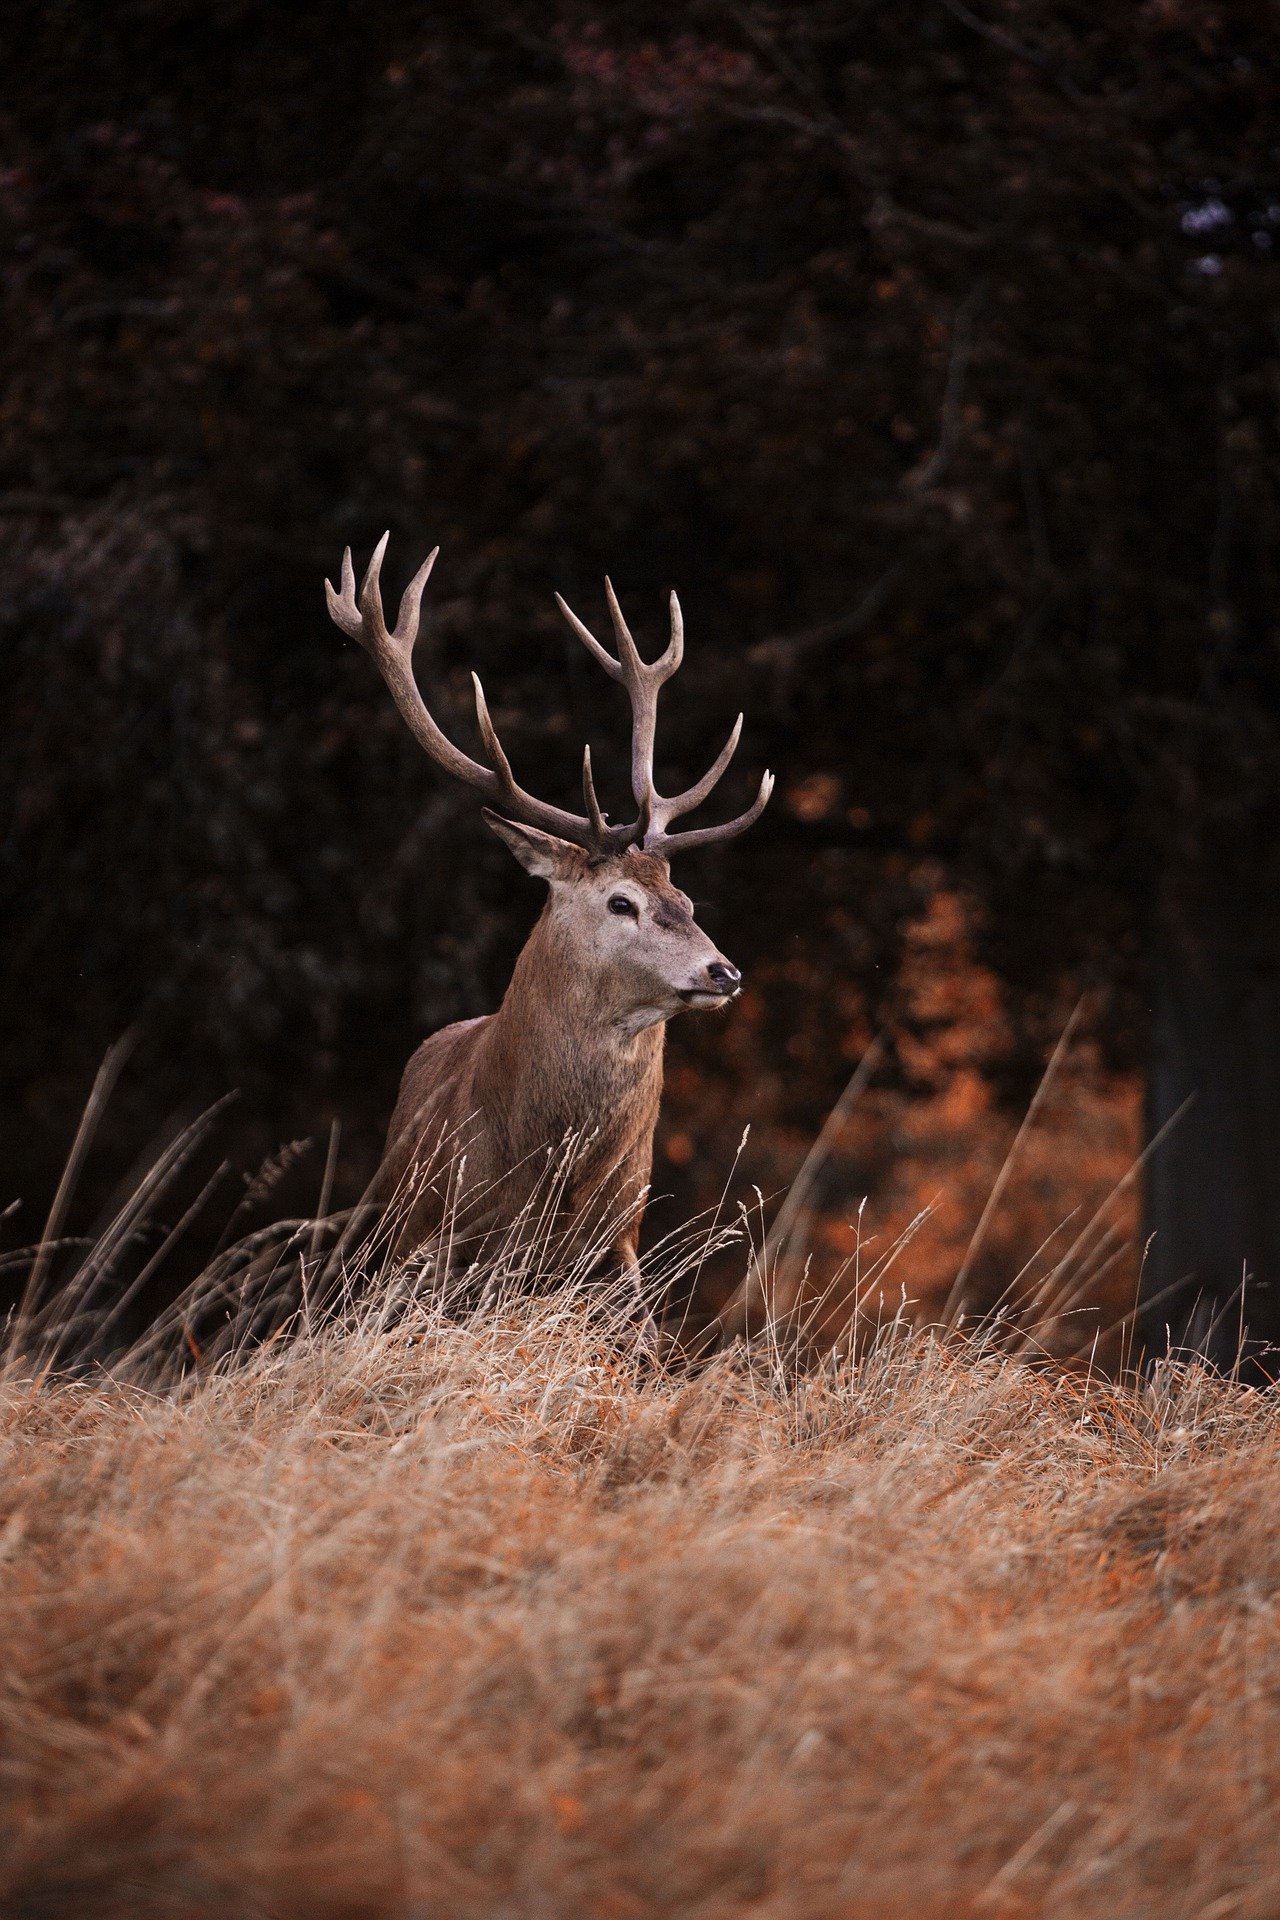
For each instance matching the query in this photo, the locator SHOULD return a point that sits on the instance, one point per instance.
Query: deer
(575, 1050)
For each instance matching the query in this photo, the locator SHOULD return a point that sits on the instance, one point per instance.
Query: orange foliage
(931, 1137)
(951, 1135)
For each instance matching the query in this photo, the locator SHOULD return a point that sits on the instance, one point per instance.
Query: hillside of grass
(400, 1614)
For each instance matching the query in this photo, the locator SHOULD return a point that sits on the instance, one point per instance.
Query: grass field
(410, 1616)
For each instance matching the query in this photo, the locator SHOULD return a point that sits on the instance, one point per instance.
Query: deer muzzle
(721, 982)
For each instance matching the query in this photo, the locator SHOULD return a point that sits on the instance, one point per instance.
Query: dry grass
(421, 1616)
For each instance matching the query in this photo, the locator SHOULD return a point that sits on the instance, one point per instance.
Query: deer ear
(538, 853)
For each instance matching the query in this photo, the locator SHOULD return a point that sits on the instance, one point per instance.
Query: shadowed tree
(932, 353)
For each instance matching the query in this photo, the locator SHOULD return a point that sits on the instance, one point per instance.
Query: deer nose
(723, 977)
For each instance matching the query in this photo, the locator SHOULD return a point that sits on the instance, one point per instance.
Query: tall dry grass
(403, 1611)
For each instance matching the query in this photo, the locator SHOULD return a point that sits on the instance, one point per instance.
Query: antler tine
(628, 652)
(599, 825)
(611, 666)
(372, 616)
(665, 844)
(408, 618)
(489, 734)
(675, 645)
(668, 810)
(343, 610)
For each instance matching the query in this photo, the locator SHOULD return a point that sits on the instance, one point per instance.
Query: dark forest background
(932, 352)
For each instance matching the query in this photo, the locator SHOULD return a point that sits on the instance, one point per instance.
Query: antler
(643, 682)
(363, 620)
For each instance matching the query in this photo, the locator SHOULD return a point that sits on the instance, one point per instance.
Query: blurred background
(932, 352)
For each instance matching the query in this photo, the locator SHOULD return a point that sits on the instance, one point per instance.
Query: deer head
(613, 908)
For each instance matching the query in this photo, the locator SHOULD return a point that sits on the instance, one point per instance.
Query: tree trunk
(1212, 1276)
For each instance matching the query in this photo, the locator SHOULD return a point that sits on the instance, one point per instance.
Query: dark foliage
(930, 350)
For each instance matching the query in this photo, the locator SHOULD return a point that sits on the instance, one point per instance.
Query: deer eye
(619, 903)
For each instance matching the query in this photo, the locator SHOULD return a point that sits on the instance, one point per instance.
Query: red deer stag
(575, 1050)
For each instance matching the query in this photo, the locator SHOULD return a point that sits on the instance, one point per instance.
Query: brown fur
(574, 1051)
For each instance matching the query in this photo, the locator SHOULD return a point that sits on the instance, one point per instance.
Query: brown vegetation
(929, 1176)
(409, 1615)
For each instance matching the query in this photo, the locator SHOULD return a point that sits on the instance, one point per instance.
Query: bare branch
(1018, 48)
(783, 649)
(930, 471)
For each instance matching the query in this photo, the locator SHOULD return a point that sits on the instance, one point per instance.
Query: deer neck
(563, 1050)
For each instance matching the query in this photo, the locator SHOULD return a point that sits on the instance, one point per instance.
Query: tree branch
(930, 471)
(783, 649)
(1007, 44)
